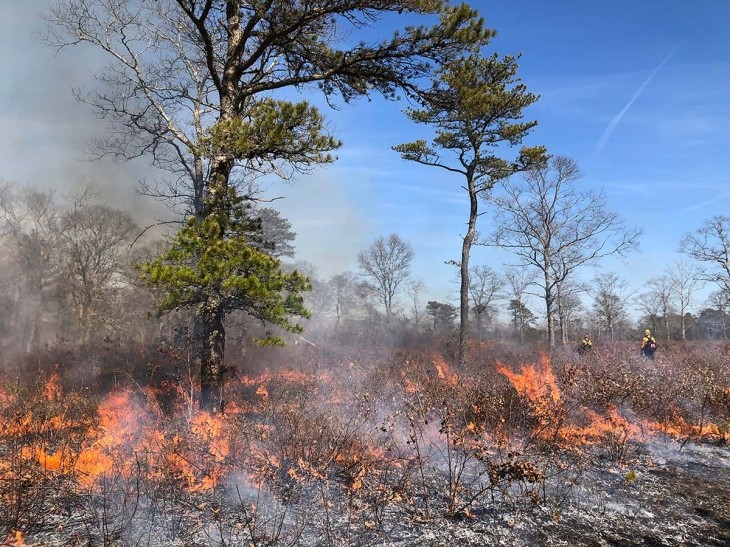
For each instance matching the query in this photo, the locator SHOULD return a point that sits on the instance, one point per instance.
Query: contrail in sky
(704, 204)
(611, 126)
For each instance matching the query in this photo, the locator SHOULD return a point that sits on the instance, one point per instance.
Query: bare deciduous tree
(343, 291)
(95, 241)
(555, 228)
(518, 281)
(387, 263)
(72, 262)
(610, 294)
(31, 226)
(720, 301)
(415, 289)
(485, 287)
(568, 305)
(684, 277)
(710, 246)
(657, 300)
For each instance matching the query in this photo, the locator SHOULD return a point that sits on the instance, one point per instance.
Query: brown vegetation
(329, 447)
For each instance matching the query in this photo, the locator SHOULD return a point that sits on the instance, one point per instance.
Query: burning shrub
(348, 450)
(41, 430)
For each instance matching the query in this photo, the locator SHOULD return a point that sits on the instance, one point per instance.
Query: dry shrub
(40, 430)
(342, 447)
(682, 391)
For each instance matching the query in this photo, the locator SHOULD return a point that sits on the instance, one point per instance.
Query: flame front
(537, 384)
(294, 430)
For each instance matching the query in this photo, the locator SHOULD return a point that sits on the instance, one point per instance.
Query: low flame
(676, 426)
(52, 389)
(537, 384)
(199, 451)
(16, 540)
(612, 428)
(262, 392)
(444, 372)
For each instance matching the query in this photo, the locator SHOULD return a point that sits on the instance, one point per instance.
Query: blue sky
(635, 92)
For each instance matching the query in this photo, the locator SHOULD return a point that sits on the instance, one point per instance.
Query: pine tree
(476, 106)
(214, 267)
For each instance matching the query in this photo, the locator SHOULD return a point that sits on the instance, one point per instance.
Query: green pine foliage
(212, 266)
(272, 131)
(476, 107)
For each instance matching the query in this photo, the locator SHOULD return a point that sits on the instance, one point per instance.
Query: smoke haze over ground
(45, 132)
(367, 430)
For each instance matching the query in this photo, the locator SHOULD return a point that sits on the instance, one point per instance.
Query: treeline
(66, 274)
(503, 307)
(68, 278)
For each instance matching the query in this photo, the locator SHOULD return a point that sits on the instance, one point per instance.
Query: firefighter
(585, 345)
(648, 345)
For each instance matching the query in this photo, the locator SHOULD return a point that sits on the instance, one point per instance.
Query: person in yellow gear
(585, 345)
(648, 345)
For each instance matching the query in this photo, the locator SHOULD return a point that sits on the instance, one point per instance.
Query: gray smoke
(45, 132)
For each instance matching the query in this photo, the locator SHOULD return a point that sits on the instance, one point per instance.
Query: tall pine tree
(475, 106)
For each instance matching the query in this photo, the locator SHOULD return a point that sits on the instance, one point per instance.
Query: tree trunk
(684, 326)
(550, 312)
(209, 343)
(35, 321)
(85, 321)
(610, 329)
(465, 251)
(209, 349)
(562, 321)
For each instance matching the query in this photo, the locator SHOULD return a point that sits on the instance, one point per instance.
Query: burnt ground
(681, 498)
(663, 494)
(670, 496)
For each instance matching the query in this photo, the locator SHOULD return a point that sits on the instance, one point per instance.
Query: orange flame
(676, 426)
(536, 383)
(52, 390)
(444, 371)
(262, 392)
(16, 540)
(200, 451)
(612, 428)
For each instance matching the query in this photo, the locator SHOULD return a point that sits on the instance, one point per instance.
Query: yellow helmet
(647, 332)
